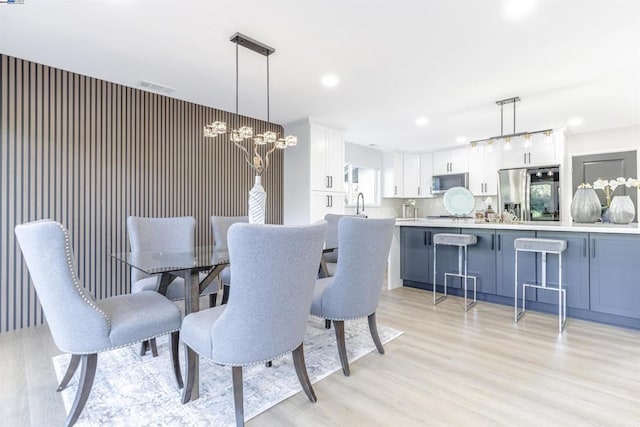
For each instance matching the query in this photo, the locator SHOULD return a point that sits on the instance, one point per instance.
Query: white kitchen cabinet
(426, 174)
(313, 177)
(411, 175)
(537, 153)
(484, 163)
(324, 202)
(393, 174)
(326, 158)
(451, 161)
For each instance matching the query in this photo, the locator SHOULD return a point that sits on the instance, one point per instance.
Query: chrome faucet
(360, 195)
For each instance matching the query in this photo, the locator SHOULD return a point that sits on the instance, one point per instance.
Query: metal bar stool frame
(460, 274)
(562, 293)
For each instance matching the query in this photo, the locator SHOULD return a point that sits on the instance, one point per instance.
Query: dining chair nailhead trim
(76, 282)
(253, 363)
(124, 345)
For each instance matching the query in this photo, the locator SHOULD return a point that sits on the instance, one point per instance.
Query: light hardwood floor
(448, 368)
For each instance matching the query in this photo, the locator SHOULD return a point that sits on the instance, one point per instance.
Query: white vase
(621, 210)
(585, 206)
(257, 202)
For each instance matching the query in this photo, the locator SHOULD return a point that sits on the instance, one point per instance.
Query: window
(361, 180)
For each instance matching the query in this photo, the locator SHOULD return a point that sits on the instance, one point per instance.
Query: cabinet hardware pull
(331, 181)
(327, 202)
(327, 183)
(499, 242)
(524, 158)
(430, 239)
(593, 248)
(331, 198)
(529, 157)
(493, 241)
(584, 248)
(395, 190)
(425, 238)
(418, 191)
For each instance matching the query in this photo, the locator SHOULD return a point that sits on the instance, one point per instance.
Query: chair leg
(225, 294)
(301, 371)
(373, 328)
(327, 324)
(342, 348)
(191, 362)
(87, 374)
(212, 300)
(236, 372)
(154, 347)
(175, 339)
(144, 345)
(71, 369)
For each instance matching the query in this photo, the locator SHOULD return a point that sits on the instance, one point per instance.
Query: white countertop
(527, 225)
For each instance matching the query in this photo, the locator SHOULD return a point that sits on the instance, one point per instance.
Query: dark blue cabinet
(615, 274)
(575, 270)
(414, 254)
(482, 260)
(505, 262)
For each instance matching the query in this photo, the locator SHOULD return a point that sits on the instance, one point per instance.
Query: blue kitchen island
(601, 265)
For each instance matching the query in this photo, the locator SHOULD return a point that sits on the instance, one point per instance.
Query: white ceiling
(446, 60)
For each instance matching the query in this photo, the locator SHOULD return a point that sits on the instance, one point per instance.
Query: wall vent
(156, 87)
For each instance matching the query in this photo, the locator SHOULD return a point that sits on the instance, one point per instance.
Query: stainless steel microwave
(441, 183)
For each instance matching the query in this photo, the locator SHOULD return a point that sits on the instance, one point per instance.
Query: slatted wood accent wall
(89, 153)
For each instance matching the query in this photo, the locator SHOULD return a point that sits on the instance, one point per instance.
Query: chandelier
(265, 143)
(506, 139)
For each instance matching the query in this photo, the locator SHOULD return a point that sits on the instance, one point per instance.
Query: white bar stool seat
(543, 247)
(462, 241)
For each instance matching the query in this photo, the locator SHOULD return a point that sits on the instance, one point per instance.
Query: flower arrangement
(608, 187)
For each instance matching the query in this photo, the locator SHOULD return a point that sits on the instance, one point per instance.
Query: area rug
(141, 390)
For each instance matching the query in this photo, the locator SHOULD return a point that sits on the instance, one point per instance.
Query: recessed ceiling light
(422, 121)
(576, 121)
(330, 80)
(461, 139)
(515, 10)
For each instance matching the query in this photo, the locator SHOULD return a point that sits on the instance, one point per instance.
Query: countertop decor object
(585, 205)
(609, 186)
(256, 154)
(621, 210)
(458, 201)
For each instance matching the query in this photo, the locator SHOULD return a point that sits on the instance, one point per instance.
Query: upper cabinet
(451, 161)
(402, 175)
(535, 152)
(426, 174)
(327, 159)
(484, 162)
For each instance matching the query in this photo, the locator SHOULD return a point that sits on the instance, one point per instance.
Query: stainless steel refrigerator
(532, 194)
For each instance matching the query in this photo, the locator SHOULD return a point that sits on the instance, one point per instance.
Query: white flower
(632, 182)
(600, 184)
(613, 184)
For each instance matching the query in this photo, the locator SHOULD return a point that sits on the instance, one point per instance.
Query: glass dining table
(188, 265)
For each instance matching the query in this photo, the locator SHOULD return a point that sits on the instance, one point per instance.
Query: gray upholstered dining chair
(331, 241)
(79, 324)
(171, 234)
(274, 269)
(220, 226)
(354, 291)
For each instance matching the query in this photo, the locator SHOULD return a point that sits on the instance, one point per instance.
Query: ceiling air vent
(155, 87)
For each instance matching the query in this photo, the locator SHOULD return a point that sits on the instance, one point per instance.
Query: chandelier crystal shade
(269, 140)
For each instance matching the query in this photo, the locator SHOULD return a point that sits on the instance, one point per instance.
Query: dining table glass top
(150, 262)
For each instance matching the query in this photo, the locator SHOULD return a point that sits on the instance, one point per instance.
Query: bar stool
(462, 241)
(544, 247)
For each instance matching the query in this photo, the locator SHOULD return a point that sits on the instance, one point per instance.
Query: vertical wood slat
(90, 153)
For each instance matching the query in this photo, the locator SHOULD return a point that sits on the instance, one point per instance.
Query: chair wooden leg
(373, 328)
(191, 362)
(268, 364)
(212, 300)
(342, 348)
(175, 339)
(327, 324)
(144, 345)
(301, 371)
(238, 395)
(71, 369)
(225, 294)
(87, 374)
(154, 347)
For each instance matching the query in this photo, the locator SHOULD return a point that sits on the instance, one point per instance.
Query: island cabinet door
(447, 259)
(414, 254)
(615, 274)
(482, 260)
(575, 270)
(506, 264)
